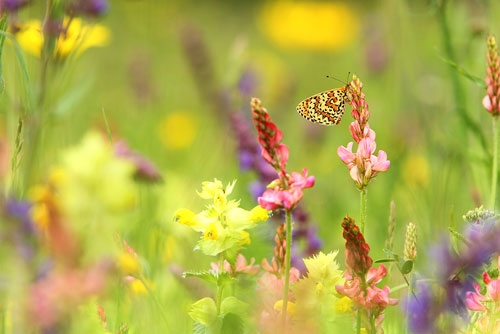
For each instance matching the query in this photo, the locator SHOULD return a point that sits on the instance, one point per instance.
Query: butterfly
(325, 108)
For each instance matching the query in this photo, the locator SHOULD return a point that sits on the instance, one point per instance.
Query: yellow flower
(416, 170)
(77, 38)
(245, 238)
(177, 130)
(184, 216)
(290, 309)
(344, 305)
(129, 264)
(313, 25)
(220, 200)
(40, 215)
(138, 287)
(259, 214)
(211, 232)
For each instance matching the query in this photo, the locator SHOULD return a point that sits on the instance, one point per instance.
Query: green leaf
(407, 267)
(220, 279)
(462, 71)
(234, 305)
(385, 260)
(24, 70)
(3, 27)
(232, 324)
(231, 254)
(203, 311)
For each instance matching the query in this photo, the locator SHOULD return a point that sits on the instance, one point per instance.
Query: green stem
(287, 264)
(220, 288)
(358, 321)
(410, 292)
(362, 200)
(494, 169)
(160, 306)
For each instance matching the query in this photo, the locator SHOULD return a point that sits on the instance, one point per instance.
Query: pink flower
(241, 266)
(346, 155)
(277, 197)
(379, 163)
(359, 134)
(474, 300)
(301, 180)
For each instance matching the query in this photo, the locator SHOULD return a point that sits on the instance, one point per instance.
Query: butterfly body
(326, 108)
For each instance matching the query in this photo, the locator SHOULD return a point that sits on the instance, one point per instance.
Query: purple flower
(144, 168)
(12, 5)
(422, 310)
(90, 7)
(247, 83)
(246, 160)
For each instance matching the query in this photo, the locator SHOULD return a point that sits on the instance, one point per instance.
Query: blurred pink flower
(241, 266)
(491, 100)
(475, 299)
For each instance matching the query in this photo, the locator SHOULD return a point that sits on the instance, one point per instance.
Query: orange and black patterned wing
(326, 108)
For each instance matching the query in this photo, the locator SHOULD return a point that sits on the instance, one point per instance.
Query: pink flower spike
(472, 300)
(380, 163)
(346, 155)
(283, 152)
(355, 130)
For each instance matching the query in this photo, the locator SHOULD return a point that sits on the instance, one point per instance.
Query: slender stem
(410, 292)
(494, 169)
(287, 263)
(160, 306)
(358, 321)
(219, 288)
(362, 200)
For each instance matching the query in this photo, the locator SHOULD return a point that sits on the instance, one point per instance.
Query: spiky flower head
(491, 100)
(410, 248)
(356, 249)
(275, 153)
(478, 214)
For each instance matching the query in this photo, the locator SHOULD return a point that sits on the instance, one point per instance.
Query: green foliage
(219, 279)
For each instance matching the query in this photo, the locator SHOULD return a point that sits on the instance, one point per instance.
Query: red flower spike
(356, 249)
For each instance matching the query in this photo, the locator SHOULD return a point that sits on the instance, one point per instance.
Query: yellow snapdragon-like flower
(77, 38)
(223, 223)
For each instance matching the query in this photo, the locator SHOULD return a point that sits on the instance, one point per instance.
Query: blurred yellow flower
(312, 25)
(77, 38)
(344, 305)
(129, 264)
(177, 130)
(138, 287)
(416, 170)
(290, 310)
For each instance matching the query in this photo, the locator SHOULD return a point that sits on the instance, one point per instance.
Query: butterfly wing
(326, 108)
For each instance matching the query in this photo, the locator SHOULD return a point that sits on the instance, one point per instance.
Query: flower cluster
(278, 261)
(363, 165)
(361, 279)
(223, 223)
(486, 304)
(492, 99)
(241, 266)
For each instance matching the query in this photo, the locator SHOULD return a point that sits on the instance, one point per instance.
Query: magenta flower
(491, 100)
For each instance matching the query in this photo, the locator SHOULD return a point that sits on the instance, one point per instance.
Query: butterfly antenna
(330, 77)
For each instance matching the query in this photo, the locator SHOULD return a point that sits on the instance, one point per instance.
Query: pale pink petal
(380, 163)
(345, 154)
(270, 199)
(283, 152)
(366, 147)
(302, 180)
(355, 175)
(375, 275)
(487, 103)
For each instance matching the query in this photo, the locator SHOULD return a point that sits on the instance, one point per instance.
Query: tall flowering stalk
(492, 104)
(361, 279)
(363, 165)
(286, 191)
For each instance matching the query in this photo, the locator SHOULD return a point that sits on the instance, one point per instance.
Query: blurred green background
(154, 98)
